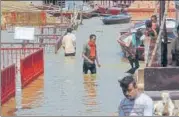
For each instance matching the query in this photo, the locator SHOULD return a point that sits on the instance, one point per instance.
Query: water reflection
(9, 108)
(32, 97)
(90, 98)
(66, 91)
(69, 60)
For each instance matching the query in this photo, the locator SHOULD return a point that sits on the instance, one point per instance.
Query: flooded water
(63, 90)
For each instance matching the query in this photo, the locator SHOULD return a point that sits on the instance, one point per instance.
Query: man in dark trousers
(134, 44)
(90, 55)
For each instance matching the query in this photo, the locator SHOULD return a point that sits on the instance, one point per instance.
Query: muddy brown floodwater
(63, 90)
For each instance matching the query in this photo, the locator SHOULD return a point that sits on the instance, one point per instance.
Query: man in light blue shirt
(135, 103)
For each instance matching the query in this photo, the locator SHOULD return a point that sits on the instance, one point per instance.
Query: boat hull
(116, 21)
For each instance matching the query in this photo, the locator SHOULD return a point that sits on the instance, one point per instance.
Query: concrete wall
(158, 78)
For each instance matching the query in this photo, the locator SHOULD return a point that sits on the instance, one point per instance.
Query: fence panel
(32, 66)
(8, 83)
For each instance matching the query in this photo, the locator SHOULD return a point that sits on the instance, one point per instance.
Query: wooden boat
(109, 10)
(117, 19)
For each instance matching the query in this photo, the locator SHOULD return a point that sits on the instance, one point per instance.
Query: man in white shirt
(69, 43)
(135, 103)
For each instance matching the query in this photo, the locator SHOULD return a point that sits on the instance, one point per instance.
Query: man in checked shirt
(135, 103)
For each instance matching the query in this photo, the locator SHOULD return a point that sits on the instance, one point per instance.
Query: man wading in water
(69, 43)
(90, 55)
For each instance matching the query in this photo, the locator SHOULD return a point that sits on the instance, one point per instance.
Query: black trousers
(70, 54)
(134, 62)
(88, 66)
(177, 58)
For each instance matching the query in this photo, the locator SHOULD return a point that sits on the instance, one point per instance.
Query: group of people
(146, 39)
(89, 51)
(135, 102)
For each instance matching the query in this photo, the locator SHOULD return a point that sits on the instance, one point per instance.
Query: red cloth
(43, 17)
(92, 49)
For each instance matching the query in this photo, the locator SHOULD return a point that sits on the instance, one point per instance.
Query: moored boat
(117, 19)
(109, 10)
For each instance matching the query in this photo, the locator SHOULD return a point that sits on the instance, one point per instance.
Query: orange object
(43, 17)
(92, 49)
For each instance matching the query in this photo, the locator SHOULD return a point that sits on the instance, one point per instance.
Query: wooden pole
(165, 48)
(81, 15)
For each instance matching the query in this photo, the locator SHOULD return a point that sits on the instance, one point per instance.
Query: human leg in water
(85, 68)
(92, 68)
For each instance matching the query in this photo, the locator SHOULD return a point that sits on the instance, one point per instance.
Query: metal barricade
(32, 67)
(8, 77)
(12, 55)
(11, 61)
